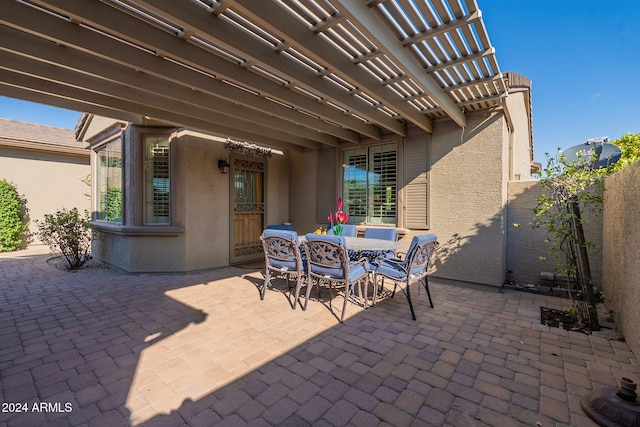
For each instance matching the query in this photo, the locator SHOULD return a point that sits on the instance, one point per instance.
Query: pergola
(294, 73)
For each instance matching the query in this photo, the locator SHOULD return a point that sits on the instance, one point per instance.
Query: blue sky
(581, 55)
(582, 58)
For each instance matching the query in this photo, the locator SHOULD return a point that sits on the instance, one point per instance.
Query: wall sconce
(223, 165)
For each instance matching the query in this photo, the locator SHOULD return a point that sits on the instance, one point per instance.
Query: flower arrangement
(340, 218)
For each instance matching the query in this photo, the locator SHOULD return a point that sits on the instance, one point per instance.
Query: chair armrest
(363, 260)
(400, 263)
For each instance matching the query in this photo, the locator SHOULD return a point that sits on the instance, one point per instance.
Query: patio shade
(327, 71)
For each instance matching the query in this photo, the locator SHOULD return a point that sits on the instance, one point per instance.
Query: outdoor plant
(114, 204)
(340, 217)
(13, 225)
(68, 232)
(574, 195)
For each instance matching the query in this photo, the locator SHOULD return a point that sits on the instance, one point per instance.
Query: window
(156, 184)
(369, 184)
(109, 181)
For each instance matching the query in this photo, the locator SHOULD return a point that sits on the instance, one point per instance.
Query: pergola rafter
(302, 73)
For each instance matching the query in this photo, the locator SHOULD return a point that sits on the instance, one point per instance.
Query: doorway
(248, 208)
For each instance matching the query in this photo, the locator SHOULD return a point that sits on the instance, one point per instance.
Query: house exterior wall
(303, 170)
(468, 194)
(520, 145)
(198, 237)
(204, 195)
(467, 188)
(621, 251)
(48, 181)
(467, 174)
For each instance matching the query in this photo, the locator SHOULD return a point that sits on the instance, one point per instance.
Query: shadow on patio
(202, 349)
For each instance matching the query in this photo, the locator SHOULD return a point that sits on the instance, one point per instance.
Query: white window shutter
(416, 185)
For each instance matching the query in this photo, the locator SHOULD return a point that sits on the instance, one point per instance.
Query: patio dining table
(368, 247)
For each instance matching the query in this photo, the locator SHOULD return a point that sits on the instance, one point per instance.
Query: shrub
(13, 227)
(70, 233)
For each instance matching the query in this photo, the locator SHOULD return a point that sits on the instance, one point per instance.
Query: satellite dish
(595, 153)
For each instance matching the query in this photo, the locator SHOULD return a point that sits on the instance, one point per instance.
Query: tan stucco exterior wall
(528, 254)
(48, 181)
(468, 194)
(302, 206)
(200, 210)
(468, 191)
(621, 251)
(520, 155)
(204, 200)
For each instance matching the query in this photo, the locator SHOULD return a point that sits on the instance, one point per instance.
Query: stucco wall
(200, 209)
(302, 205)
(468, 194)
(467, 185)
(48, 181)
(519, 140)
(527, 252)
(621, 251)
(204, 200)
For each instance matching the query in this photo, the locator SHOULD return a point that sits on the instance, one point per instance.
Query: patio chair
(327, 261)
(280, 227)
(348, 230)
(282, 258)
(413, 268)
(383, 234)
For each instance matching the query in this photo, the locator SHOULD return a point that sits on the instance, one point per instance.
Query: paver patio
(103, 348)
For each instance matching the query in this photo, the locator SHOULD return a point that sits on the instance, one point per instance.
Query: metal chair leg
(408, 294)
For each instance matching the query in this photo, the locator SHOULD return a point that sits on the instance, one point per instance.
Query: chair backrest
(419, 254)
(381, 233)
(282, 249)
(348, 230)
(327, 255)
(280, 227)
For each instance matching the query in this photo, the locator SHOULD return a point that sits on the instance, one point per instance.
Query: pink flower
(339, 203)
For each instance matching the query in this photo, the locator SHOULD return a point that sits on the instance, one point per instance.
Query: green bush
(13, 227)
(68, 232)
(114, 204)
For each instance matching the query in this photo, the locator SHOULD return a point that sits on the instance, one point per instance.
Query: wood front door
(248, 208)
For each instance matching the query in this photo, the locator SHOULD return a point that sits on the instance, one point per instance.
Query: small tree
(13, 226)
(574, 190)
(570, 190)
(68, 232)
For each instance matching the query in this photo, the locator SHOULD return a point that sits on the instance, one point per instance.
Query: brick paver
(103, 348)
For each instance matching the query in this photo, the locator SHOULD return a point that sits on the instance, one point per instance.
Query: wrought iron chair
(413, 268)
(383, 234)
(328, 261)
(283, 258)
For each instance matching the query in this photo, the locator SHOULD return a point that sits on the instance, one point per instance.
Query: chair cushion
(280, 227)
(336, 240)
(356, 271)
(286, 234)
(287, 265)
(289, 261)
(391, 270)
(380, 233)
